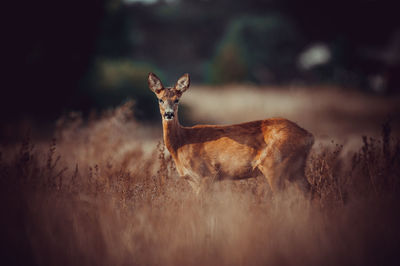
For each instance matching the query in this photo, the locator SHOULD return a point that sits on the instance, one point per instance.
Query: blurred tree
(114, 38)
(50, 48)
(357, 32)
(262, 49)
(229, 65)
(115, 80)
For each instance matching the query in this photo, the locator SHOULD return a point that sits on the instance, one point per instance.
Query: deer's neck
(172, 135)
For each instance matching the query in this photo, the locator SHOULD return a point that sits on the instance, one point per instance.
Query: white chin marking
(168, 119)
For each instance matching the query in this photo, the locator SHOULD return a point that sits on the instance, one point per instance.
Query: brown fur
(277, 148)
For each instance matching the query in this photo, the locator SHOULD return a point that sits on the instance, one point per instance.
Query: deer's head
(168, 98)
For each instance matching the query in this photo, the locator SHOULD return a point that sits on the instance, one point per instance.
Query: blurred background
(86, 183)
(61, 56)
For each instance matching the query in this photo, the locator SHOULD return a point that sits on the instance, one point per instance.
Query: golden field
(103, 190)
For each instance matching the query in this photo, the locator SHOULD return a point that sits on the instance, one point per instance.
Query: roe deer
(277, 148)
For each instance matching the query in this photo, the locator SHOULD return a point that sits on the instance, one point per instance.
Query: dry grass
(94, 196)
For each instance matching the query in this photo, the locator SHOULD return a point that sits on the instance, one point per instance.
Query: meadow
(103, 190)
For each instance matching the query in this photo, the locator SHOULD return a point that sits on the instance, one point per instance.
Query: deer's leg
(298, 176)
(302, 184)
(195, 183)
(269, 171)
(292, 170)
(296, 166)
(207, 182)
(268, 163)
(200, 184)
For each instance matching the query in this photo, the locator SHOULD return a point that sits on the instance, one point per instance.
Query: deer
(275, 148)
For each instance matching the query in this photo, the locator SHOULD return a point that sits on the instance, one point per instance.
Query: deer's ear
(183, 83)
(155, 84)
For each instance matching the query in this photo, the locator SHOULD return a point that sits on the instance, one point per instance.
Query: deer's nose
(169, 115)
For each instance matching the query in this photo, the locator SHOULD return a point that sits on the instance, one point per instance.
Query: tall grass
(93, 195)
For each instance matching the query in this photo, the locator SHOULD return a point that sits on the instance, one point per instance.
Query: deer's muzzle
(168, 115)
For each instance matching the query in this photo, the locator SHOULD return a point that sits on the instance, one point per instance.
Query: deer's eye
(160, 101)
(176, 101)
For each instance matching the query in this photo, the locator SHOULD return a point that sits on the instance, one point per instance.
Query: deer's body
(276, 148)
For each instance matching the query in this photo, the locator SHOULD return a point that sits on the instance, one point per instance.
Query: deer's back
(233, 150)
